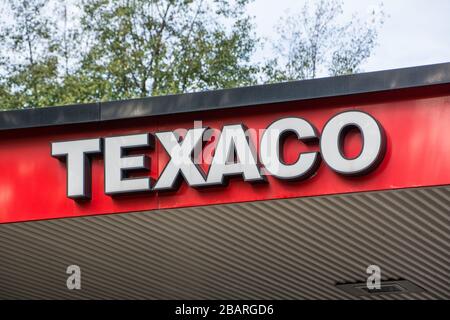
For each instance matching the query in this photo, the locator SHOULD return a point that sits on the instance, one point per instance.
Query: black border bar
(229, 98)
(282, 309)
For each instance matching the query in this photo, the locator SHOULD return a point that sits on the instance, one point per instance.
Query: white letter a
(74, 280)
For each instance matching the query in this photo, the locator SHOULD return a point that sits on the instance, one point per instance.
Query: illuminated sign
(234, 155)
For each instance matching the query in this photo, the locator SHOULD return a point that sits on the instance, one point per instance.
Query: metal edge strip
(229, 98)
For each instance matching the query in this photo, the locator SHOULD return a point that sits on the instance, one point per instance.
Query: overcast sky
(415, 32)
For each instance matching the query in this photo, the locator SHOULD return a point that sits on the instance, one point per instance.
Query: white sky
(415, 32)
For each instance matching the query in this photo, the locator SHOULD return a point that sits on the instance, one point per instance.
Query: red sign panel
(416, 123)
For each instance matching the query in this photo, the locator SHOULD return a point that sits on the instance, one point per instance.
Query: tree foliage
(143, 47)
(55, 52)
(316, 41)
(28, 68)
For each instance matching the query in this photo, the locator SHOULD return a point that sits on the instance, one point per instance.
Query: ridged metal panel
(280, 249)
